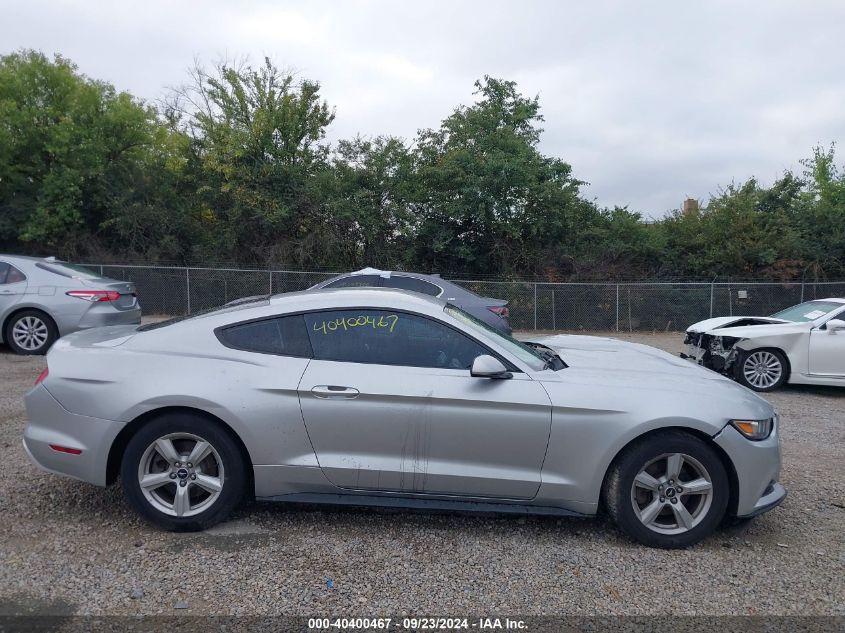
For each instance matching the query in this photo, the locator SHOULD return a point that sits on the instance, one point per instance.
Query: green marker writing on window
(386, 323)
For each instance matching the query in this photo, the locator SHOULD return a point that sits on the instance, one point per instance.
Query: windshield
(807, 311)
(524, 353)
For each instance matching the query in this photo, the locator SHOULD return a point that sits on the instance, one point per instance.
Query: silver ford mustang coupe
(386, 397)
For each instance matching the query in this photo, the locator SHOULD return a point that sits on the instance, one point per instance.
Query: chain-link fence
(602, 306)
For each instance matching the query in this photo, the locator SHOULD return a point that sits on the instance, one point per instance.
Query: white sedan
(803, 345)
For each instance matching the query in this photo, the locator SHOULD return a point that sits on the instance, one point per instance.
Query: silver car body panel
(816, 355)
(541, 439)
(45, 291)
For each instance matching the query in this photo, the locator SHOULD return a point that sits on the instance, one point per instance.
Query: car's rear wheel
(30, 332)
(762, 369)
(183, 472)
(668, 490)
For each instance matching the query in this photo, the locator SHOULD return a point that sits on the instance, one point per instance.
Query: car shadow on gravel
(817, 390)
(21, 604)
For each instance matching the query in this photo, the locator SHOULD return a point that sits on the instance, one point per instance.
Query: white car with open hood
(804, 344)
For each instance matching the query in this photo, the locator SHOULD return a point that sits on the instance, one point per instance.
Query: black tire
(234, 471)
(619, 484)
(36, 316)
(749, 358)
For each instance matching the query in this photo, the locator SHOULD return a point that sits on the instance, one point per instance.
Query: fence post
(554, 321)
(802, 291)
(101, 271)
(617, 307)
(188, 287)
(271, 281)
(535, 306)
(712, 285)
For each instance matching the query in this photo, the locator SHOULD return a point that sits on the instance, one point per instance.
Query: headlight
(754, 429)
(722, 343)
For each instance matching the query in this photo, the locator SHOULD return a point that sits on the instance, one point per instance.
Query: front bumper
(757, 466)
(50, 423)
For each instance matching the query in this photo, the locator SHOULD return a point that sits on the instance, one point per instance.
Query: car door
(827, 350)
(389, 405)
(12, 286)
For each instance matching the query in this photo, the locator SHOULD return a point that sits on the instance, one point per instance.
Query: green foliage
(489, 200)
(256, 136)
(77, 157)
(819, 215)
(235, 167)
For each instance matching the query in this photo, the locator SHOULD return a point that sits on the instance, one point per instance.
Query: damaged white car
(804, 344)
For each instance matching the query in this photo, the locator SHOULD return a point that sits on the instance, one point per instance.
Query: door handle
(7, 292)
(335, 391)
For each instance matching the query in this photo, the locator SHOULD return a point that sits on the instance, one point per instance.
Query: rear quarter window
(284, 336)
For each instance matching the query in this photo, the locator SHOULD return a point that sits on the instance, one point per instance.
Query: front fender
(581, 451)
(793, 345)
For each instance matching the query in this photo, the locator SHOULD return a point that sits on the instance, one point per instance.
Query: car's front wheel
(762, 369)
(183, 472)
(667, 490)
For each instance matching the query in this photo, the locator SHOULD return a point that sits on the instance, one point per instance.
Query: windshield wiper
(551, 359)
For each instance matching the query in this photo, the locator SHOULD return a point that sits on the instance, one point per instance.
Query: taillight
(502, 311)
(42, 376)
(94, 295)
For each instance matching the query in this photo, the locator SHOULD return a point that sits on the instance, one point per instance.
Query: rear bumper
(757, 466)
(49, 423)
(110, 316)
(100, 314)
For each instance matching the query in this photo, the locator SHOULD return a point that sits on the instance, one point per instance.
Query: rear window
(285, 336)
(413, 284)
(356, 281)
(64, 269)
(232, 306)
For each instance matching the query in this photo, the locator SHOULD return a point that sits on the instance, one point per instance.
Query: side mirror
(835, 324)
(486, 366)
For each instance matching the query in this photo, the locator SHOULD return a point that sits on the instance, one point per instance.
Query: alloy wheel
(181, 474)
(762, 369)
(672, 493)
(30, 333)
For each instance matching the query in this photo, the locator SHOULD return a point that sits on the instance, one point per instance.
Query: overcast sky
(650, 102)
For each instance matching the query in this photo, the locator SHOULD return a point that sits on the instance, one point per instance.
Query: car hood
(758, 331)
(725, 322)
(620, 366)
(597, 352)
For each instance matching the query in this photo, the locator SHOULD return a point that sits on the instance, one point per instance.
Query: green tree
(490, 200)
(75, 154)
(819, 215)
(257, 138)
(366, 202)
(745, 231)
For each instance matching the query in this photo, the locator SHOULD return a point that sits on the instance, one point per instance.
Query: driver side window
(383, 337)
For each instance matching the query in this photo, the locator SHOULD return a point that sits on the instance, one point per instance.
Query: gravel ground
(69, 547)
